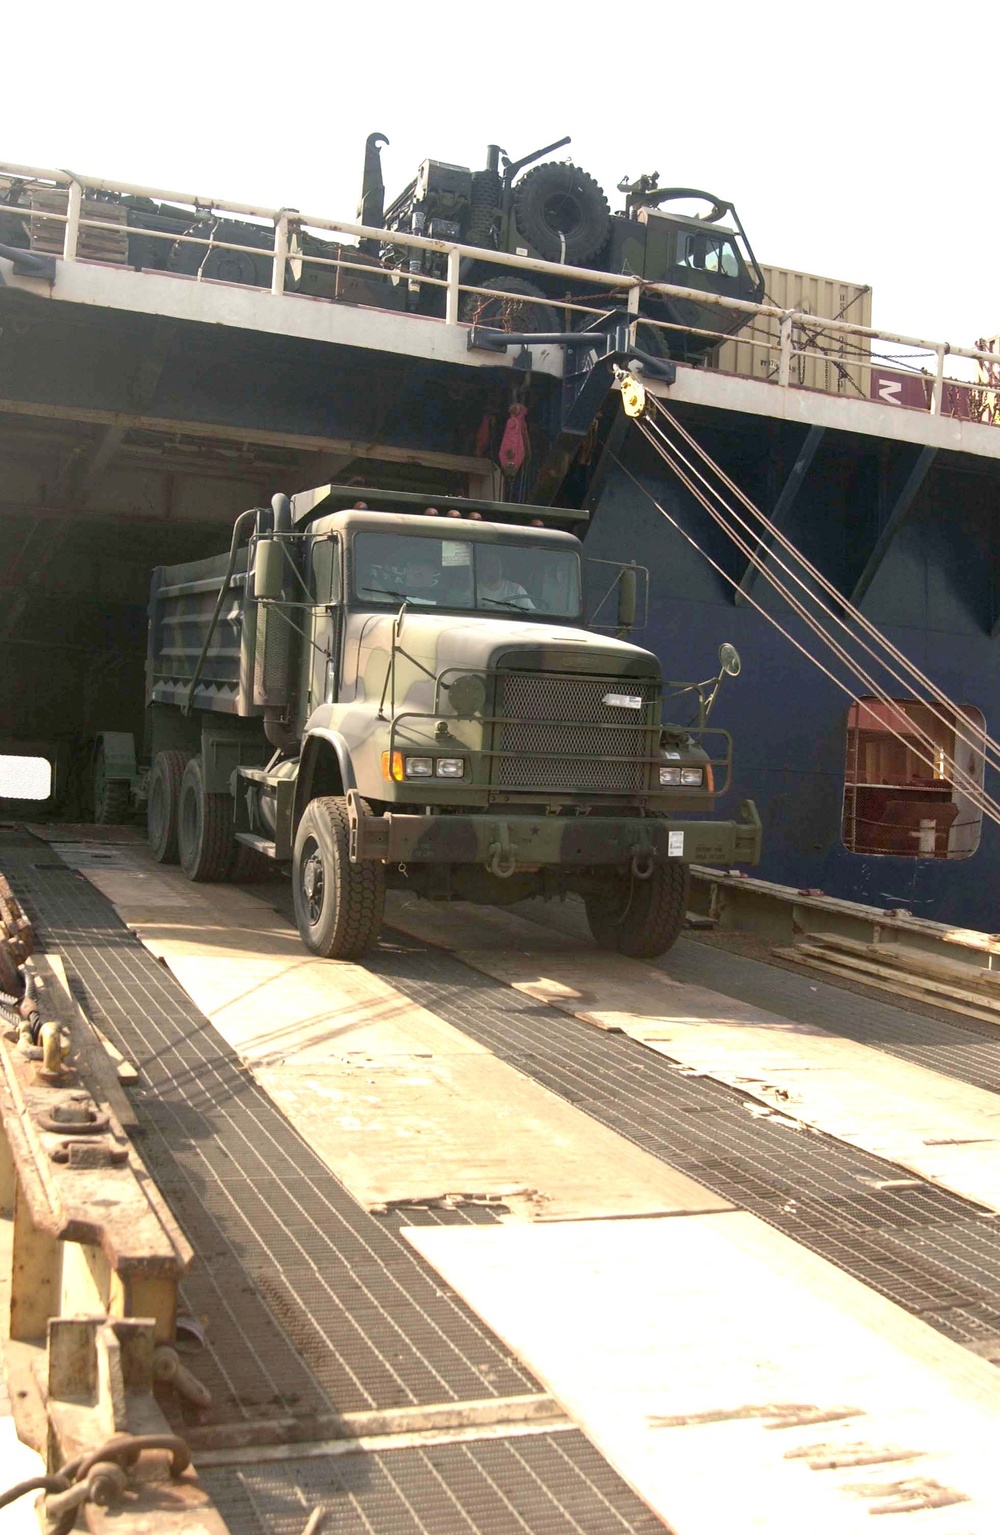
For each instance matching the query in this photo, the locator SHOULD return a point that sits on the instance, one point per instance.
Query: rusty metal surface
(89, 1188)
(315, 1306)
(17, 939)
(318, 1315)
(108, 1445)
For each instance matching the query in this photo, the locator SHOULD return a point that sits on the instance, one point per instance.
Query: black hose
(34, 1484)
(223, 589)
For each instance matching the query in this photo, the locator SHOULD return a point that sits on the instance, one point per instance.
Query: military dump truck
(375, 692)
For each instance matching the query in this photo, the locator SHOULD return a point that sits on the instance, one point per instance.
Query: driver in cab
(495, 589)
(423, 578)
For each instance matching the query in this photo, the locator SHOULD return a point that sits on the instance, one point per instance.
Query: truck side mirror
(729, 659)
(627, 599)
(268, 569)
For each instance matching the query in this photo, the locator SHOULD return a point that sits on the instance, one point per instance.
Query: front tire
(338, 904)
(204, 828)
(642, 918)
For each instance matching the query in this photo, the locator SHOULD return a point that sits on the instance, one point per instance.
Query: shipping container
(913, 390)
(841, 369)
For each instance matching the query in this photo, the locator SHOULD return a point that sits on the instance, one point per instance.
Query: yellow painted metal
(633, 395)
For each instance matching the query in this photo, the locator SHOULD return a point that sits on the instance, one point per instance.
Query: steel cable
(757, 560)
(976, 795)
(963, 780)
(977, 743)
(987, 744)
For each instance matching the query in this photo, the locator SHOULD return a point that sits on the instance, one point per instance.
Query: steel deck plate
(315, 1305)
(967, 1049)
(913, 1244)
(552, 1484)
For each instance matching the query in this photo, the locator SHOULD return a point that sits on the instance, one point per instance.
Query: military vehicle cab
(378, 692)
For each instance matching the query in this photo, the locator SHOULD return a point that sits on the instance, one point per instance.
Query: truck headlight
(683, 777)
(419, 767)
(450, 767)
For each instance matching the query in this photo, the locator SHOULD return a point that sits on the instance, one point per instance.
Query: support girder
(783, 506)
(898, 513)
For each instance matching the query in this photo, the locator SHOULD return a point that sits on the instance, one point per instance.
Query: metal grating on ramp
(933, 1253)
(551, 1484)
(967, 1049)
(316, 1305)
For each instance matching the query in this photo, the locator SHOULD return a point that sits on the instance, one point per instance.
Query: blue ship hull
(933, 594)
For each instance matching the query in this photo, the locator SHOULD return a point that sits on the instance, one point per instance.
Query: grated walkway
(316, 1305)
(930, 1251)
(552, 1484)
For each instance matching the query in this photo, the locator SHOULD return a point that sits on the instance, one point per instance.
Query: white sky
(856, 139)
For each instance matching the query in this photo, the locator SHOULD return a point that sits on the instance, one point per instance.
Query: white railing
(791, 338)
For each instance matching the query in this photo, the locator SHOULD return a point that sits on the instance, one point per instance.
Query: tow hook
(502, 860)
(642, 863)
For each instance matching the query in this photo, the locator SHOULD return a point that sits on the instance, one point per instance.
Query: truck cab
(441, 719)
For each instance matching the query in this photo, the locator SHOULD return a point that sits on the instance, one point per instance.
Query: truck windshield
(708, 253)
(460, 573)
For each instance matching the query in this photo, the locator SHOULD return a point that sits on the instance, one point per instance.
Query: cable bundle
(840, 627)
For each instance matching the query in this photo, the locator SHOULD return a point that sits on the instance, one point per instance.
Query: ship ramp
(494, 1233)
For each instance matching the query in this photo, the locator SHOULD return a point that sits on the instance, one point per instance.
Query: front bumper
(532, 842)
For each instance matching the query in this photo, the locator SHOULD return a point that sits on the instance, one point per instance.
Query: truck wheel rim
(313, 883)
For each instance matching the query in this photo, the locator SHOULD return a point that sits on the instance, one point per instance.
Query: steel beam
(783, 505)
(811, 407)
(900, 510)
(87, 1223)
(780, 913)
(479, 470)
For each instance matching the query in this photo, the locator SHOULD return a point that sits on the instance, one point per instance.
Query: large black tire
(642, 918)
(338, 904)
(112, 798)
(162, 803)
(648, 338)
(484, 210)
(511, 314)
(561, 212)
(204, 828)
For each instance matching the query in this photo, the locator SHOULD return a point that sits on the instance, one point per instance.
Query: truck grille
(581, 742)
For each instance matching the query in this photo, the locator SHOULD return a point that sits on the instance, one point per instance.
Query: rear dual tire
(162, 800)
(204, 828)
(186, 825)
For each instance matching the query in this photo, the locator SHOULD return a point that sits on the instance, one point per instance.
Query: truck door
(322, 661)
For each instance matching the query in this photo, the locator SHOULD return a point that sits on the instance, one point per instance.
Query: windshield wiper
(501, 602)
(387, 591)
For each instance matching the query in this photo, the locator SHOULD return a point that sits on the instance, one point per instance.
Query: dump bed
(182, 600)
